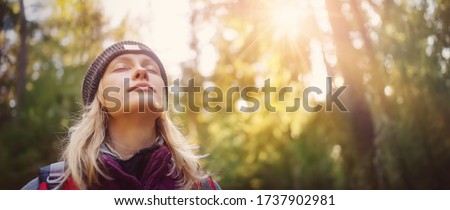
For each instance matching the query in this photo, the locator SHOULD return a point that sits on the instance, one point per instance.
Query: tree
(60, 49)
(397, 85)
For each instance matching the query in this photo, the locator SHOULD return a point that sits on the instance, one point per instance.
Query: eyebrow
(128, 59)
(122, 58)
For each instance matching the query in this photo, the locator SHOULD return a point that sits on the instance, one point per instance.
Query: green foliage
(395, 135)
(61, 47)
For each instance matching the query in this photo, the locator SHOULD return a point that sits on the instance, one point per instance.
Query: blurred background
(393, 56)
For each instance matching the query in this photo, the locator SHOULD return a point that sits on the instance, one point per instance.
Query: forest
(387, 59)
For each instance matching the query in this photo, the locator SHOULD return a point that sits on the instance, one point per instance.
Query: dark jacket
(149, 169)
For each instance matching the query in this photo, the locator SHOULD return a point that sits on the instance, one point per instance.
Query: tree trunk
(22, 58)
(362, 172)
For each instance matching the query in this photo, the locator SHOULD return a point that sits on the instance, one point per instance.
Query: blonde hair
(82, 150)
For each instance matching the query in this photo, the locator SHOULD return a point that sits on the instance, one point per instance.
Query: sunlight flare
(287, 17)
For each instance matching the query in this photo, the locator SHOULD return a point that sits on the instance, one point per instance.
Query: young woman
(125, 138)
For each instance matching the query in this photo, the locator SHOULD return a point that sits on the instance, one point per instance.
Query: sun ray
(287, 17)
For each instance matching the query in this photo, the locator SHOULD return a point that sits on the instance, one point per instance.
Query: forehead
(133, 57)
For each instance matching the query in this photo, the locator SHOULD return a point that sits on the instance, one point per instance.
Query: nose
(140, 74)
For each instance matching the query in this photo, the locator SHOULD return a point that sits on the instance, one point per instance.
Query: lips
(141, 86)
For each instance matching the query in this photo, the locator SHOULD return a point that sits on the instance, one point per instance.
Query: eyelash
(122, 68)
(151, 68)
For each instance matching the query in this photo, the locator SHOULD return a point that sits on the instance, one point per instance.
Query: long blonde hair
(82, 150)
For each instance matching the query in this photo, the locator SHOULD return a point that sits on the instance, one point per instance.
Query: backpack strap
(32, 185)
(208, 184)
(51, 176)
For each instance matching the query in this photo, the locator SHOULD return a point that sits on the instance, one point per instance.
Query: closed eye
(119, 66)
(121, 69)
(151, 69)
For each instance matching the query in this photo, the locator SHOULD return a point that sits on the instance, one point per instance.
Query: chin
(145, 107)
(135, 111)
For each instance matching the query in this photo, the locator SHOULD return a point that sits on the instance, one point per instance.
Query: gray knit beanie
(97, 69)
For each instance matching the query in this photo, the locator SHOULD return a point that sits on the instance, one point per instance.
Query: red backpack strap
(42, 186)
(208, 184)
(211, 183)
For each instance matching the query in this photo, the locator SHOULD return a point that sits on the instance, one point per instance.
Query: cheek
(159, 97)
(158, 84)
(111, 92)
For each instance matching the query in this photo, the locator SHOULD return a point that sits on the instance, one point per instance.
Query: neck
(130, 133)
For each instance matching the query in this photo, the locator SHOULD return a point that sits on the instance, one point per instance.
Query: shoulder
(32, 185)
(208, 184)
(50, 174)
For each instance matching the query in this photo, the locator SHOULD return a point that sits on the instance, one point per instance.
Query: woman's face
(132, 83)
